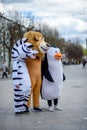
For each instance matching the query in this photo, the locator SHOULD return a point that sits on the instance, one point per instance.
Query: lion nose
(48, 45)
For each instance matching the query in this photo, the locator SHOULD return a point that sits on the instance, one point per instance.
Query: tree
(14, 33)
(52, 36)
(74, 51)
(13, 30)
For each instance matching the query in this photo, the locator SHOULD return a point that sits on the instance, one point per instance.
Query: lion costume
(34, 66)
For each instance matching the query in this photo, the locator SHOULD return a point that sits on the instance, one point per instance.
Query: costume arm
(45, 70)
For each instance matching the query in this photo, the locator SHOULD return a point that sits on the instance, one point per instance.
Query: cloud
(70, 17)
(15, 1)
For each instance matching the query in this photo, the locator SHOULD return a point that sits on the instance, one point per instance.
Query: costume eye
(56, 52)
(30, 46)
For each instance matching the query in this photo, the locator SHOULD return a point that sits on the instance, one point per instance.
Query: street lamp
(86, 48)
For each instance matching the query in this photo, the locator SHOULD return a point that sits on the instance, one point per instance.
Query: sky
(68, 16)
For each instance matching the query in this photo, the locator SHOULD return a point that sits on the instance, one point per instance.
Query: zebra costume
(20, 51)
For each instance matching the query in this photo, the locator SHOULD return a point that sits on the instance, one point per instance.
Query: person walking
(4, 68)
(84, 63)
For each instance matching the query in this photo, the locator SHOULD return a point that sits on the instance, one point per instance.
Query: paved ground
(73, 101)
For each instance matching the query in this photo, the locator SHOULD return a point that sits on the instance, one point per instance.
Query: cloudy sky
(69, 16)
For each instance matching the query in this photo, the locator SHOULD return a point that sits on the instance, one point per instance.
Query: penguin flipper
(48, 75)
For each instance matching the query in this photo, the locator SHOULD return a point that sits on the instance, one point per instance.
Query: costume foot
(27, 110)
(21, 112)
(18, 112)
(51, 109)
(56, 107)
(37, 109)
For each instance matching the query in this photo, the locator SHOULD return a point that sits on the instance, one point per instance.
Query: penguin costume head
(51, 56)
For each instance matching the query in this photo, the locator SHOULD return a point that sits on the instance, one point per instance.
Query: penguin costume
(21, 78)
(52, 76)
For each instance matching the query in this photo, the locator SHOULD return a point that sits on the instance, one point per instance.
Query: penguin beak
(58, 56)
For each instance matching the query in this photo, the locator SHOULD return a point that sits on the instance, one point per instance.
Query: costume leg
(29, 101)
(50, 108)
(55, 101)
(56, 106)
(49, 102)
(20, 100)
(26, 98)
(33, 84)
(36, 94)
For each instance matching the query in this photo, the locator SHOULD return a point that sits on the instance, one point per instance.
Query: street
(73, 101)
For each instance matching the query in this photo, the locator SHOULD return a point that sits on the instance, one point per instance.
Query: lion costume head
(37, 40)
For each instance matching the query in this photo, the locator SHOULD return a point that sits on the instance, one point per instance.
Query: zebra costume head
(22, 50)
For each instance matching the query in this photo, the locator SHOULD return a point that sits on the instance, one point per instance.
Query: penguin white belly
(52, 90)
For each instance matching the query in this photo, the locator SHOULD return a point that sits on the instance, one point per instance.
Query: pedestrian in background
(4, 70)
(84, 62)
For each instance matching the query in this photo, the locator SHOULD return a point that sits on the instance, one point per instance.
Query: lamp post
(4, 45)
(86, 48)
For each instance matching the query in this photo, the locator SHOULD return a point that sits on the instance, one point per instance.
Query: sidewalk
(73, 101)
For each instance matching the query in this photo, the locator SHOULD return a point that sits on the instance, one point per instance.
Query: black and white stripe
(20, 51)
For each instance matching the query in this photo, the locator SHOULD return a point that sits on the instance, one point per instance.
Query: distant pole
(86, 47)
(4, 46)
